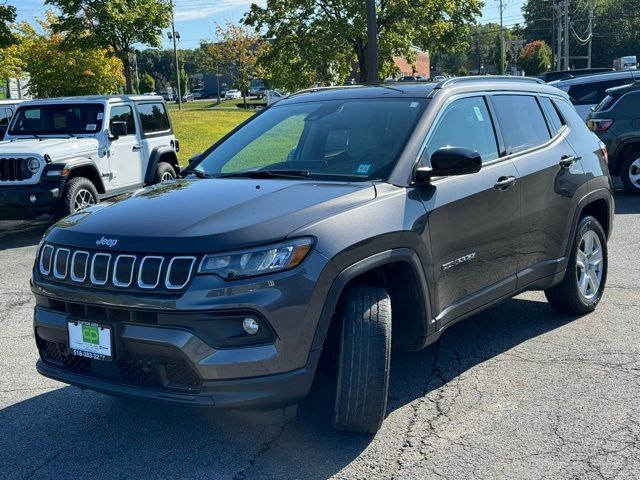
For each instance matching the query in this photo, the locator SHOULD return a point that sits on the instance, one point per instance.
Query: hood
(197, 216)
(54, 147)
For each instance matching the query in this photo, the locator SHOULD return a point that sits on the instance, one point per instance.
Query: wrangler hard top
(62, 154)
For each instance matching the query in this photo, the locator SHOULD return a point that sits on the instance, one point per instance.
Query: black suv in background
(345, 221)
(616, 120)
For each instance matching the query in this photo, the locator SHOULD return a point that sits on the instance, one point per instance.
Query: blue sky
(196, 19)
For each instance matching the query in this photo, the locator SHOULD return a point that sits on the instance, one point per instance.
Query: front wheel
(164, 172)
(79, 193)
(630, 174)
(364, 361)
(583, 284)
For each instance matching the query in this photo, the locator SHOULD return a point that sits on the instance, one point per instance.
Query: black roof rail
(483, 78)
(322, 89)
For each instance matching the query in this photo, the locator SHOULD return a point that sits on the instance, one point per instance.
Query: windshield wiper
(197, 173)
(267, 174)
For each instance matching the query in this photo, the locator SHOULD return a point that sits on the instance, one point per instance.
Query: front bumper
(172, 350)
(15, 202)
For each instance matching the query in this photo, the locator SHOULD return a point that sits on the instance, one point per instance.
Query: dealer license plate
(90, 340)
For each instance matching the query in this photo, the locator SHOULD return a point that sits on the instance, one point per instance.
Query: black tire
(162, 170)
(627, 169)
(73, 188)
(566, 296)
(364, 360)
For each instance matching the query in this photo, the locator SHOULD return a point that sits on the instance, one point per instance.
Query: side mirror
(450, 161)
(118, 129)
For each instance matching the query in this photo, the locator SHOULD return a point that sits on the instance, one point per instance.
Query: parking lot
(518, 391)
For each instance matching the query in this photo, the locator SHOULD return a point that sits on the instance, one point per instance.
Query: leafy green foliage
(236, 53)
(57, 69)
(114, 24)
(147, 83)
(322, 37)
(7, 16)
(535, 58)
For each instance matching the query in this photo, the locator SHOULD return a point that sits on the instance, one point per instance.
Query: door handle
(568, 160)
(505, 182)
(136, 148)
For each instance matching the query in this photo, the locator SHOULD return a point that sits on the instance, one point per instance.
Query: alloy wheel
(84, 198)
(589, 264)
(634, 173)
(166, 176)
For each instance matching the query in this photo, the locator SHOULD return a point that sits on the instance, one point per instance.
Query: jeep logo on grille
(109, 242)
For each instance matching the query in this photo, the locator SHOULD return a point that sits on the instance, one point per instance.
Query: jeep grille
(12, 169)
(116, 270)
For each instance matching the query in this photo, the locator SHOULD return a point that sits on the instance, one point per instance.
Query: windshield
(352, 139)
(57, 119)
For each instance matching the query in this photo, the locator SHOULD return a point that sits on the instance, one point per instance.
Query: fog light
(250, 326)
(33, 198)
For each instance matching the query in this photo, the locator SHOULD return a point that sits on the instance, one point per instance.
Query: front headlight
(257, 261)
(33, 164)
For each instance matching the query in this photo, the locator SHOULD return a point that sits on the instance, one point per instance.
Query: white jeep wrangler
(61, 155)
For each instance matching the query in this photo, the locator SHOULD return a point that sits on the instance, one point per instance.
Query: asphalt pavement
(517, 392)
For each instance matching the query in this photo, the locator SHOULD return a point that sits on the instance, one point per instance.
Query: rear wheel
(630, 173)
(164, 172)
(583, 284)
(79, 193)
(364, 360)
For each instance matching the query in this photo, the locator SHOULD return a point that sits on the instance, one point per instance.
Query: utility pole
(372, 42)
(566, 34)
(175, 54)
(591, 8)
(556, 7)
(502, 54)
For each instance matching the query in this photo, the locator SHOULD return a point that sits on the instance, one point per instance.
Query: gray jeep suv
(346, 221)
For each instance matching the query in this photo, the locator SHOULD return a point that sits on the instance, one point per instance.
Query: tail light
(603, 151)
(600, 125)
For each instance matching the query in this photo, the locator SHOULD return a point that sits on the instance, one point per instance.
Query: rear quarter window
(521, 121)
(153, 117)
(557, 122)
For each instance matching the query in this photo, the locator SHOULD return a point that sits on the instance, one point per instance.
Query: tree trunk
(361, 54)
(127, 71)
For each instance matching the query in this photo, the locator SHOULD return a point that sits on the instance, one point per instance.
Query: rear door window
(153, 117)
(466, 123)
(521, 121)
(5, 116)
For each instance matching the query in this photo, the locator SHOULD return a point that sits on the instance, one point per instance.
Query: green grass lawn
(198, 125)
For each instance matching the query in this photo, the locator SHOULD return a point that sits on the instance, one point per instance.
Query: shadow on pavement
(23, 233)
(67, 433)
(627, 203)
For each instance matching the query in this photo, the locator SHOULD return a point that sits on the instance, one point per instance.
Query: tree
(535, 58)
(56, 69)
(7, 17)
(332, 33)
(147, 83)
(114, 24)
(238, 50)
(497, 52)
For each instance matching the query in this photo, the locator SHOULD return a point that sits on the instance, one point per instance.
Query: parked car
(233, 94)
(197, 93)
(588, 91)
(7, 109)
(273, 96)
(568, 74)
(62, 155)
(168, 95)
(338, 223)
(188, 97)
(616, 121)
